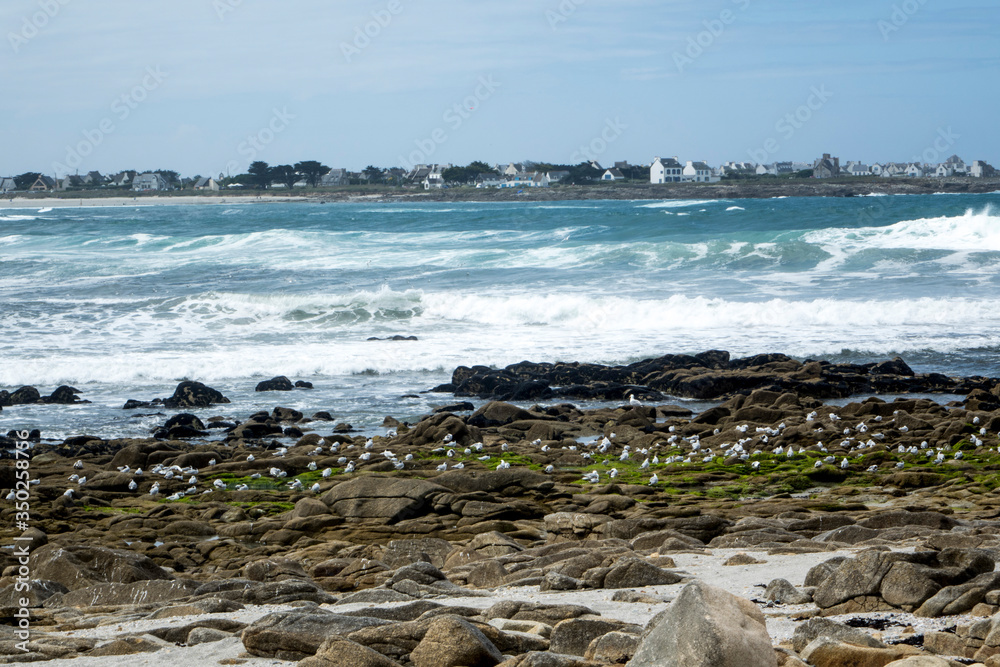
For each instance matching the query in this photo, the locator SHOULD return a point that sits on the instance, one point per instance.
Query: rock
(194, 395)
(549, 614)
(391, 499)
(280, 383)
(818, 573)
(451, 641)
(80, 566)
(959, 598)
(126, 646)
(921, 661)
(826, 652)
(855, 577)
(743, 559)
(574, 635)
(614, 647)
(783, 592)
(824, 627)
(497, 413)
(139, 592)
(338, 652)
(206, 636)
(706, 627)
(296, 635)
(635, 573)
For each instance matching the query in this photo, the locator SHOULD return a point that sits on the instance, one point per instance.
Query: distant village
(480, 175)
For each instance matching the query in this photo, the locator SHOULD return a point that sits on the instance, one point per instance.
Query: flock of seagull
(680, 450)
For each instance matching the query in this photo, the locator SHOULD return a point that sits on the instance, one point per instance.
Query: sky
(206, 86)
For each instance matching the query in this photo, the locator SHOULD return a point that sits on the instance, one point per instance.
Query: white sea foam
(735, 208)
(976, 231)
(682, 203)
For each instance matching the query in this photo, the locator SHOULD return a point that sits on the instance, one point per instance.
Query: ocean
(124, 302)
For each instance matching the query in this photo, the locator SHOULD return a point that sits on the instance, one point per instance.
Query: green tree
(285, 173)
(312, 170)
(26, 180)
(456, 175)
(260, 172)
(373, 173)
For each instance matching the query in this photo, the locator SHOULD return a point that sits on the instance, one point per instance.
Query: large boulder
(299, 634)
(381, 498)
(706, 627)
(190, 394)
(337, 652)
(80, 566)
(451, 641)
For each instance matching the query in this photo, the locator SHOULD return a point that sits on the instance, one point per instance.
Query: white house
(766, 170)
(513, 169)
(667, 170)
(490, 180)
(981, 169)
(7, 185)
(857, 169)
(556, 176)
(613, 175)
(433, 181)
(877, 169)
(698, 172)
(943, 170)
(914, 170)
(149, 183)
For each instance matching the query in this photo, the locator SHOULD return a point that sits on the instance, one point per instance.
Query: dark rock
(190, 394)
(280, 383)
(296, 635)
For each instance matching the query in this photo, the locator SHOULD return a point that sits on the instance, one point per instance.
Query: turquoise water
(124, 302)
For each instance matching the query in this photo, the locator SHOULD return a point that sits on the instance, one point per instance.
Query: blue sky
(203, 86)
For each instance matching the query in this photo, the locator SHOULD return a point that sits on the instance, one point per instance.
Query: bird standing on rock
(634, 402)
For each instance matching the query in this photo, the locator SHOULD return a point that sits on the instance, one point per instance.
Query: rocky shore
(772, 529)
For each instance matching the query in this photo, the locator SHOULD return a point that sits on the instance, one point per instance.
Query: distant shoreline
(629, 191)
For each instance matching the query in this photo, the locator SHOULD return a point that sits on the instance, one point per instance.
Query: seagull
(645, 464)
(459, 466)
(900, 465)
(633, 401)
(653, 480)
(78, 465)
(549, 469)
(503, 465)
(366, 456)
(443, 466)
(256, 475)
(219, 484)
(155, 489)
(295, 484)
(399, 465)
(350, 467)
(844, 464)
(68, 493)
(327, 472)
(314, 488)
(83, 480)
(755, 465)
(872, 468)
(250, 458)
(449, 437)
(193, 480)
(369, 443)
(242, 487)
(593, 477)
(122, 469)
(312, 465)
(613, 473)
(211, 462)
(138, 472)
(74, 477)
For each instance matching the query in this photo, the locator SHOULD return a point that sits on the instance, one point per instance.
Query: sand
(744, 580)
